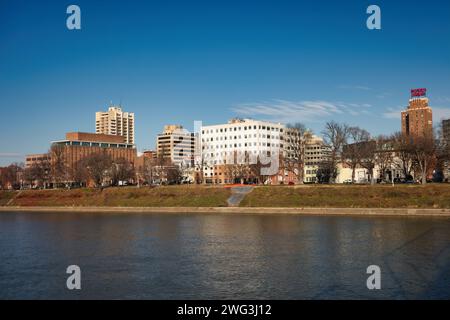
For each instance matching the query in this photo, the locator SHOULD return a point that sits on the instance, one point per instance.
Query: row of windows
(316, 148)
(38, 159)
(310, 153)
(240, 137)
(246, 144)
(94, 144)
(224, 153)
(254, 127)
(312, 163)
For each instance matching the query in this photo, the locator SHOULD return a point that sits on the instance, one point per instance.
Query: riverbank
(430, 196)
(164, 196)
(240, 210)
(400, 199)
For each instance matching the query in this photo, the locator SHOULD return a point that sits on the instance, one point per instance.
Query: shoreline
(418, 212)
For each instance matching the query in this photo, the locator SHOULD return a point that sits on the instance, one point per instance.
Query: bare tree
(424, 154)
(352, 152)
(402, 145)
(59, 168)
(81, 174)
(148, 171)
(442, 153)
(335, 137)
(38, 173)
(202, 162)
(296, 139)
(10, 176)
(368, 157)
(162, 165)
(98, 167)
(28, 176)
(174, 175)
(121, 170)
(385, 154)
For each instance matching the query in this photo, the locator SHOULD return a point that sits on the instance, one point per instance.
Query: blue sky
(176, 62)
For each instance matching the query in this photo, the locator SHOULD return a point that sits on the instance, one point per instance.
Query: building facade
(417, 119)
(79, 145)
(315, 153)
(225, 147)
(177, 145)
(36, 159)
(116, 122)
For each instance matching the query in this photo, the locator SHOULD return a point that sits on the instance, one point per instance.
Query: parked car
(348, 181)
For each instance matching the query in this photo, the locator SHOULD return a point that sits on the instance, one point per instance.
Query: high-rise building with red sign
(417, 119)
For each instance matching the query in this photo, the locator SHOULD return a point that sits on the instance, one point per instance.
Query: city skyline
(309, 64)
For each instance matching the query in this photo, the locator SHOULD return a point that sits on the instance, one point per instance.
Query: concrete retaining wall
(239, 210)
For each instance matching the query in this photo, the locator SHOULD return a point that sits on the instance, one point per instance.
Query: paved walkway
(237, 195)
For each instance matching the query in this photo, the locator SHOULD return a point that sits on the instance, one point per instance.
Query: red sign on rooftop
(419, 92)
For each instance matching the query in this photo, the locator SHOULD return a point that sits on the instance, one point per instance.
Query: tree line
(416, 157)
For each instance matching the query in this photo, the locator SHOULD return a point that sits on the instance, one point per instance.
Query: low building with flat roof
(93, 137)
(79, 145)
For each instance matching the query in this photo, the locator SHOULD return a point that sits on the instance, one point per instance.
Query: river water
(157, 256)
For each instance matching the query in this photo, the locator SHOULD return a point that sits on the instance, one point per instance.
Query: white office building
(177, 145)
(240, 141)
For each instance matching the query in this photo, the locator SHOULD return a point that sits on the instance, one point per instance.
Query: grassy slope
(351, 196)
(5, 196)
(401, 196)
(171, 196)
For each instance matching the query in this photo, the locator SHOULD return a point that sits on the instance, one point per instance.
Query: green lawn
(168, 196)
(351, 196)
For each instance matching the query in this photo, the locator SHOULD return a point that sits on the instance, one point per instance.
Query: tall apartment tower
(116, 122)
(417, 119)
(177, 145)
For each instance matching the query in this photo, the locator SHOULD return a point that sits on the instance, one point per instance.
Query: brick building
(79, 145)
(417, 119)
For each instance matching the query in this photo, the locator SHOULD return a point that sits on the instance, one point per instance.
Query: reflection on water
(222, 256)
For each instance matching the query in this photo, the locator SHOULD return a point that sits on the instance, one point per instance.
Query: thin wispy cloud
(379, 95)
(9, 155)
(438, 113)
(393, 113)
(383, 95)
(289, 111)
